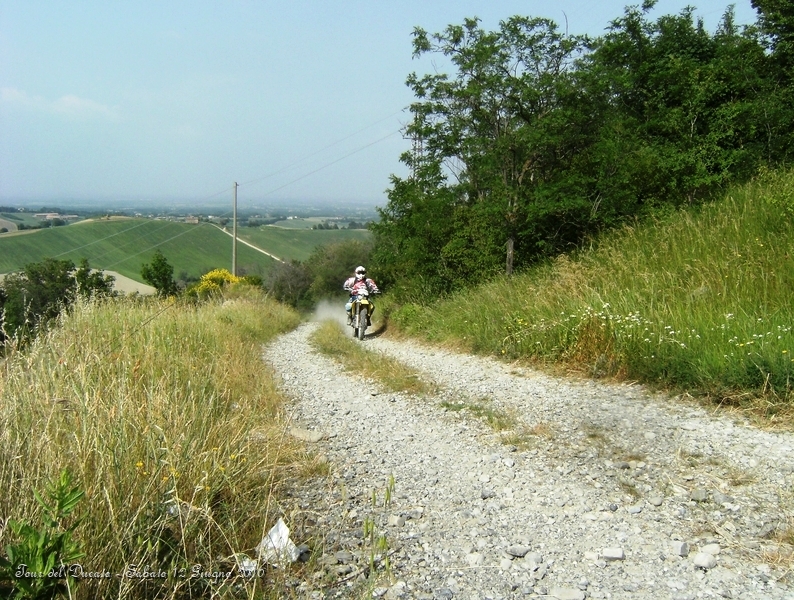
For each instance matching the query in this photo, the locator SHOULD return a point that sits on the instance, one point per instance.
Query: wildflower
(785, 351)
(139, 464)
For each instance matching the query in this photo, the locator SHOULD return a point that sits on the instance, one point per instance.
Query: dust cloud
(330, 310)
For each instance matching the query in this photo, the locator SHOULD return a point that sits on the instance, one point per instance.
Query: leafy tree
(539, 139)
(494, 127)
(776, 21)
(679, 104)
(289, 282)
(492, 146)
(42, 290)
(776, 18)
(160, 275)
(328, 266)
(91, 282)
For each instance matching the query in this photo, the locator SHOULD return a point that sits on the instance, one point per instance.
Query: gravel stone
(680, 548)
(565, 495)
(713, 549)
(518, 550)
(566, 593)
(613, 554)
(704, 560)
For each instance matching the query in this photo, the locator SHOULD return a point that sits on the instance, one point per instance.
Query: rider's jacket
(352, 285)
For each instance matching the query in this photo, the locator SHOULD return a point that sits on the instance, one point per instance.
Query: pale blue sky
(176, 100)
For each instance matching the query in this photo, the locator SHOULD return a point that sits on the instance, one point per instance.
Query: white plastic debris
(276, 547)
(246, 565)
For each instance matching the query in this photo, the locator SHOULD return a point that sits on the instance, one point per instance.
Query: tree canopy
(539, 138)
(38, 293)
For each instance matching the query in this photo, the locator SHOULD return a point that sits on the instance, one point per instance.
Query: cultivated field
(21, 218)
(297, 244)
(124, 244)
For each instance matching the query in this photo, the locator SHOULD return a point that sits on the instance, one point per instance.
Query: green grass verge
(123, 245)
(330, 339)
(699, 300)
(170, 424)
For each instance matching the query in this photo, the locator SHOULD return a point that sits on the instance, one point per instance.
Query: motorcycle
(360, 312)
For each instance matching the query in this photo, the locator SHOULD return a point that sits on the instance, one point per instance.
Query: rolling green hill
(21, 218)
(124, 244)
(296, 243)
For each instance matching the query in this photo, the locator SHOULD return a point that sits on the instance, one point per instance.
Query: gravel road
(615, 492)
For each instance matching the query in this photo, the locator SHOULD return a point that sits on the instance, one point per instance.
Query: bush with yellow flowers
(214, 281)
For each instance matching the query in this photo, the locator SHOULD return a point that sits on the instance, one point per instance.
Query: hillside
(698, 300)
(124, 244)
(297, 244)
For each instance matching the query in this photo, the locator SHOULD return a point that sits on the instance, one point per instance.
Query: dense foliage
(38, 293)
(160, 275)
(303, 284)
(541, 138)
(698, 300)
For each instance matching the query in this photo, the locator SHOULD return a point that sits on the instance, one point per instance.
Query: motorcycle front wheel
(362, 325)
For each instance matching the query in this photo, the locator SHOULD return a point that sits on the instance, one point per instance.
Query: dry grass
(330, 339)
(172, 426)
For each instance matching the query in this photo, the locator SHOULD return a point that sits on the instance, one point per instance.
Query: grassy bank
(169, 422)
(699, 300)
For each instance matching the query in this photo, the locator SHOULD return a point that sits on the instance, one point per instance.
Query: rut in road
(607, 492)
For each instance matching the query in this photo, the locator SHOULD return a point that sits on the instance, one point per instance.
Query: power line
(249, 182)
(325, 166)
(332, 144)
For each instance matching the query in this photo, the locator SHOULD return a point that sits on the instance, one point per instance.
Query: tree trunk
(510, 244)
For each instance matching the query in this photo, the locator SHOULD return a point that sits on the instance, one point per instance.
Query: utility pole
(234, 232)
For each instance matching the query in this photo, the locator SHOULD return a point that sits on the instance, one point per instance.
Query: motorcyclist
(352, 285)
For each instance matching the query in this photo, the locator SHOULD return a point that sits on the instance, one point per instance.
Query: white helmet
(361, 273)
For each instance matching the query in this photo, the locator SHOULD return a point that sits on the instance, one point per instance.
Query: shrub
(42, 290)
(160, 275)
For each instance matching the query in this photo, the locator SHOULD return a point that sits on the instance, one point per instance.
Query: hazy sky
(176, 100)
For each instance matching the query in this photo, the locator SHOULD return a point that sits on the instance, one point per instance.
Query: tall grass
(698, 300)
(168, 420)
